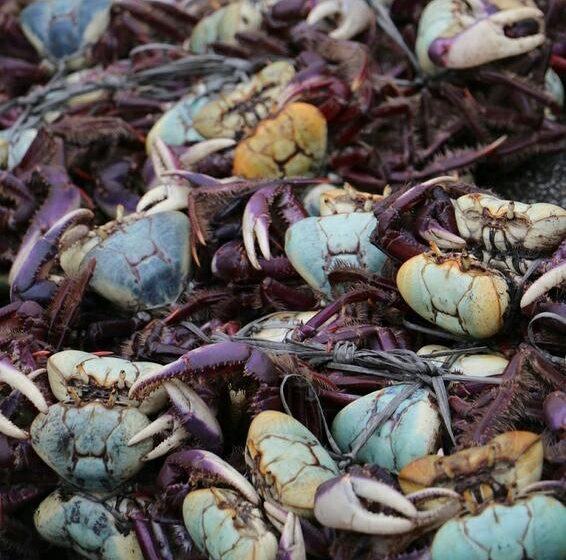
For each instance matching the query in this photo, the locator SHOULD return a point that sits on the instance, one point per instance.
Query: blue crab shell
(86, 526)
(145, 263)
(61, 29)
(88, 446)
(411, 432)
(175, 126)
(225, 526)
(534, 528)
(316, 245)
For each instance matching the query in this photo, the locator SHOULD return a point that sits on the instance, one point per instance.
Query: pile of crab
(263, 294)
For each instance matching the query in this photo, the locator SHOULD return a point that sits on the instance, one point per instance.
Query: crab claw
(191, 417)
(18, 381)
(170, 193)
(483, 39)
(255, 226)
(257, 218)
(28, 280)
(164, 197)
(551, 279)
(210, 360)
(203, 149)
(354, 16)
(198, 464)
(337, 505)
(163, 157)
(292, 543)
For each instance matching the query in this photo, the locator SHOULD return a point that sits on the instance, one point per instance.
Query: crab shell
(88, 445)
(290, 144)
(316, 245)
(286, 461)
(503, 224)
(412, 431)
(86, 526)
(512, 459)
(64, 29)
(456, 293)
(225, 526)
(347, 200)
(14, 145)
(85, 371)
(279, 325)
(142, 261)
(531, 528)
(478, 365)
(232, 114)
(175, 126)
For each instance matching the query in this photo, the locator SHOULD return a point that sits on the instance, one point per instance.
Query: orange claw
(292, 143)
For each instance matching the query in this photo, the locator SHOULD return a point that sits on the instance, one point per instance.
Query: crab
(97, 422)
(493, 243)
(448, 27)
(205, 486)
(216, 499)
(125, 278)
(66, 31)
(496, 482)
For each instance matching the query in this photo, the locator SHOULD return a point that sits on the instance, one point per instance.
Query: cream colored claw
(485, 41)
(171, 193)
(337, 505)
(255, 229)
(164, 197)
(203, 149)
(354, 16)
(165, 423)
(292, 543)
(18, 381)
(193, 409)
(552, 279)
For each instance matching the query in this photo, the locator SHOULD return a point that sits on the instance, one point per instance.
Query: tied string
(401, 366)
(344, 352)
(152, 83)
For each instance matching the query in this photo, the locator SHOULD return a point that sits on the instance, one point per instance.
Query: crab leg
(197, 463)
(63, 199)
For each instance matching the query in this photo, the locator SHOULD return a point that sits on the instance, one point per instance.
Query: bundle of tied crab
(264, 293)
